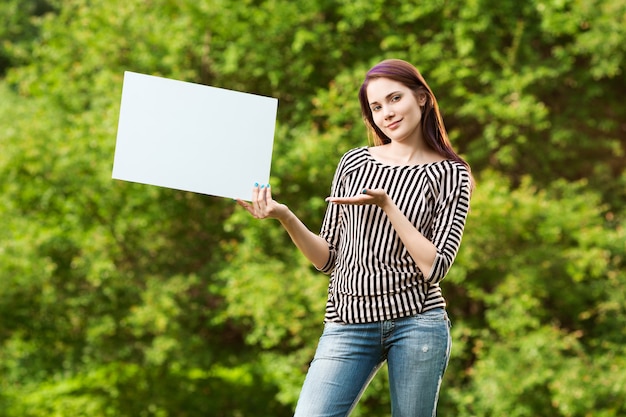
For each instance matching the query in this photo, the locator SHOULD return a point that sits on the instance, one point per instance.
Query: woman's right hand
(262, 205)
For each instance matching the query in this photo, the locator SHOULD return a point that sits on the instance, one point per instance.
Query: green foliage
(543, 330)
(18, 26)
(121, 299)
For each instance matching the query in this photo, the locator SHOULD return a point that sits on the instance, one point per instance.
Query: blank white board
(193, 137)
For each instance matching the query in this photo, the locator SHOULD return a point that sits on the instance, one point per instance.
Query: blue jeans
(348, 356)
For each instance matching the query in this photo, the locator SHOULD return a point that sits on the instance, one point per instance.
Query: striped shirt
(372, 276)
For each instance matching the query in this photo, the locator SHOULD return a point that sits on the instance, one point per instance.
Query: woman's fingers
(260, 202)
(268, 194)
(367, 196)
(255, 194)
(247, 207)
(354, 200)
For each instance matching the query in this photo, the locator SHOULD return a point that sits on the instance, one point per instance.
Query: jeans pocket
(435, 315)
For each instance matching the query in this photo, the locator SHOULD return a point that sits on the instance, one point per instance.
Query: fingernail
(256, 184)
(268, 186)
(364, 191)
(262, 185)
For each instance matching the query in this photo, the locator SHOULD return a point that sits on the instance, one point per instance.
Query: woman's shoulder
(354, 155)
(450, 175)
(446, 167)
(355, 152)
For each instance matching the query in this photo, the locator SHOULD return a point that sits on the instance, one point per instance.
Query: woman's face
(395, 109)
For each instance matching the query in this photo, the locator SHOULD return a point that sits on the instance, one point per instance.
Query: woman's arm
(264, 206)
(419, 247)
(422, 250)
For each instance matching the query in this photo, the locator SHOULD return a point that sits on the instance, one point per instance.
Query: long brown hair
(433, 129)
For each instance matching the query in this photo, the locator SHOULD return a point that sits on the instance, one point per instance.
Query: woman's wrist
(386, 203)
(284, 215)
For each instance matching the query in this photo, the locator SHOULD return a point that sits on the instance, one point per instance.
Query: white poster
(193, 137)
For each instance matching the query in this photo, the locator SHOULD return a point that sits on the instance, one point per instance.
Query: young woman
(392, 230)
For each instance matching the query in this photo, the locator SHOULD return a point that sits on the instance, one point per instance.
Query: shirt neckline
(372, 159)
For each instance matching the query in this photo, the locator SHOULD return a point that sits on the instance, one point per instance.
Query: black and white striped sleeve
(332, 226)
(452, 207)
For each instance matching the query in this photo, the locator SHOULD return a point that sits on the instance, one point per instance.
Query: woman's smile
(394, 125)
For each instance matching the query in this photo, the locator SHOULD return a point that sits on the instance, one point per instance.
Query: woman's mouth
(393, 125)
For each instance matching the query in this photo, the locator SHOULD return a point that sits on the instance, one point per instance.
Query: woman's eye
(375, 108)
(396, 98)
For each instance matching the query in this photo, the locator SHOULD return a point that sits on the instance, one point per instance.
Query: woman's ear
(422, 99)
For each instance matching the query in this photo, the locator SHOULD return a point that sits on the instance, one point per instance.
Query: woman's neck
(406, 153)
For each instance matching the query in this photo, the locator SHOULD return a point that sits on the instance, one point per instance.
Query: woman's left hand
(378, 197)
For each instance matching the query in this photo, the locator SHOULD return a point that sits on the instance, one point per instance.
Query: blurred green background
(121, 299)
